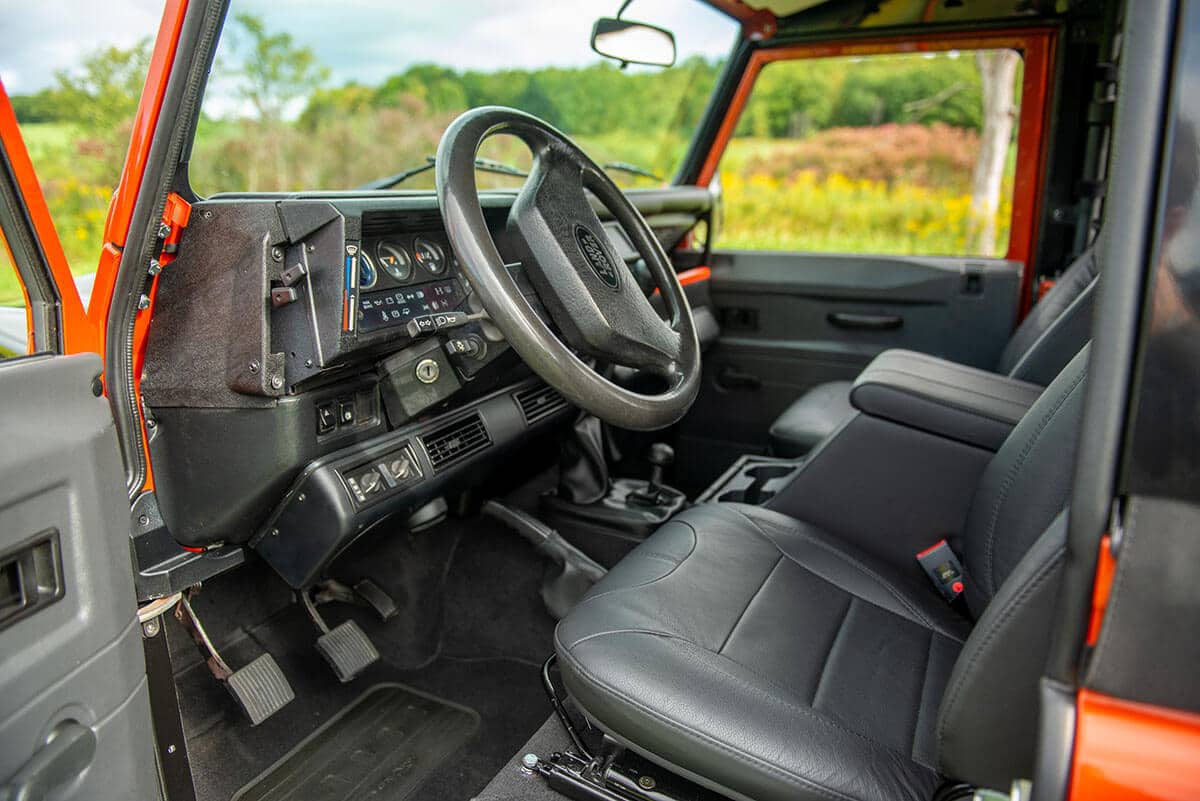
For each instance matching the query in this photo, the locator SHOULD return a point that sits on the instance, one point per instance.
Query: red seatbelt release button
(943, 568)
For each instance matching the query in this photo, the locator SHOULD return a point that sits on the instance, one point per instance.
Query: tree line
(790, 99)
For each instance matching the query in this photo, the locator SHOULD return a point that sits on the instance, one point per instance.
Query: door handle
(729, 377)
(66, 755)
(866, 322)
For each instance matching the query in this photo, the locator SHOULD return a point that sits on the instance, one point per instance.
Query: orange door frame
(1037, 46)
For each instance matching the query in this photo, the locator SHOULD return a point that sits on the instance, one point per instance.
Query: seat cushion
(766, 660)
(811, 418)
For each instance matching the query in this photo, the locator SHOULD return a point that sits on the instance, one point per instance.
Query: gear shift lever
(660, 456)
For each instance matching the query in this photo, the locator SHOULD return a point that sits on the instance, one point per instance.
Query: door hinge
(176, 212)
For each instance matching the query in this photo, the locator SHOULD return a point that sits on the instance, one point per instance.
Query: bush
(931, 156)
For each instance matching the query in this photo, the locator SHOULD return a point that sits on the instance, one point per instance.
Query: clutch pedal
(345, 647)
(259, 688)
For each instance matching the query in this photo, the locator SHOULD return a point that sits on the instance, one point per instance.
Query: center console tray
(751, 479)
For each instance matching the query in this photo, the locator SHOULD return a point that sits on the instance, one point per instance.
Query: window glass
(332, 96)
(13, 338)
(890, 154)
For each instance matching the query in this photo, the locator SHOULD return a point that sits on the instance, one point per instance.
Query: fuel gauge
(395, 261)
(429, 255)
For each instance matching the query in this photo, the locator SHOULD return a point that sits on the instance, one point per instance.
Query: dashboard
(318, 361)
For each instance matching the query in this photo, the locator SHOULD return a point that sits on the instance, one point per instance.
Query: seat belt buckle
(942, 567)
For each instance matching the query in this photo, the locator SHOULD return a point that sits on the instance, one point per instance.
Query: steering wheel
(587, 289)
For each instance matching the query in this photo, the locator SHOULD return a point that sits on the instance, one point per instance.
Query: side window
(14, 308)
(882, 154)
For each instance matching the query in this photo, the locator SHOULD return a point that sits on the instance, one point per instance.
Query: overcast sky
(363, 40)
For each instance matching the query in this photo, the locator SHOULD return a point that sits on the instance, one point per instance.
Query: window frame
(1037, 48)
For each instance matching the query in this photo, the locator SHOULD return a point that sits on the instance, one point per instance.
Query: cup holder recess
(752, 479)
(766, 472)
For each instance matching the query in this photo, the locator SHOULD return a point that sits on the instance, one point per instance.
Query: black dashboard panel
(296, 329)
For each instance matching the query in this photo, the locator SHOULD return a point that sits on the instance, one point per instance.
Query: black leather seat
(766, 659)
(1053, 331)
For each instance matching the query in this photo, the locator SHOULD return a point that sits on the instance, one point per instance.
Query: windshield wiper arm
(491, 165)
(632, 169)
(486, 165)
(400, 177)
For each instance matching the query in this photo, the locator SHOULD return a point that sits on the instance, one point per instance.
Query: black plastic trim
(1124, 256)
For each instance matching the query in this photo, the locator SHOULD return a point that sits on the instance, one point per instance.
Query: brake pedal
(259, 688)
(345, 647)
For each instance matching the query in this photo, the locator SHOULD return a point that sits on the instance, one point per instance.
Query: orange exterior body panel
(1126, 751)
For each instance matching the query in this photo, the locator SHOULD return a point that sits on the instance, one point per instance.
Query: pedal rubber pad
(260, 689)
(347, 650)
(378, 600)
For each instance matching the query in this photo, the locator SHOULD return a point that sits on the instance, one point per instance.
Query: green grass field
(77, 207)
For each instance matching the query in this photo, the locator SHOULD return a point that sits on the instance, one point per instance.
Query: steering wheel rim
(586, 287)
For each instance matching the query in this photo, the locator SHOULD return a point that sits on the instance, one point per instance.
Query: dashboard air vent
(378, 223)
(539, 402)
(457, 440)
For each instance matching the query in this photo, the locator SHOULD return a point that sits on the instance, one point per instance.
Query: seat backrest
(1014, 549)
(1056, 327)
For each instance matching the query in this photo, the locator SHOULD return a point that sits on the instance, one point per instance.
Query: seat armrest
(942, 397)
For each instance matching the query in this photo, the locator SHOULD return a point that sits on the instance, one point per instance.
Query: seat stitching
(845, 557)
(950, 699)
(746, 608)
(921, 617)
(691, 551)
(829, 651)
(736, 753)
(1011, 478)
(1060, 320)
(785, 693)
(921, 699)
(949, 404)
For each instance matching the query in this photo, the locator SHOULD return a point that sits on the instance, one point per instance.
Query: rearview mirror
(633, 42)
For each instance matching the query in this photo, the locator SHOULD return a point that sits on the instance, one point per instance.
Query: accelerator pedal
(345, 647)
(259, 688)
(365, 593)
(377, 599)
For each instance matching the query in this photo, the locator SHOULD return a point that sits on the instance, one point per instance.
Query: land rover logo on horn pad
(593, 251)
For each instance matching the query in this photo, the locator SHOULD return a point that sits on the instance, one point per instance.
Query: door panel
(74, 706)
(75, 658)
(790, 321)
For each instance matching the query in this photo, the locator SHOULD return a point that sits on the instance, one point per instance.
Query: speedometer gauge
(429, 255)
(395, 261)
(367, 274)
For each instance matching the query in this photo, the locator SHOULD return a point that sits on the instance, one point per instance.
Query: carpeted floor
(471, 630)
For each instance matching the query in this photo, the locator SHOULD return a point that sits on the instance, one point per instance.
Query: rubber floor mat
(380, 748)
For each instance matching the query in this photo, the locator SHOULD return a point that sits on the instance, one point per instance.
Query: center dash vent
(379, 223)
(539, 402)
(457, 440)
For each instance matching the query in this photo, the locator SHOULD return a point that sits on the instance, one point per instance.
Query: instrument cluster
(401, 261)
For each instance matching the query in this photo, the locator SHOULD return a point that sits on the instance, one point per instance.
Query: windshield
(308, 95)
